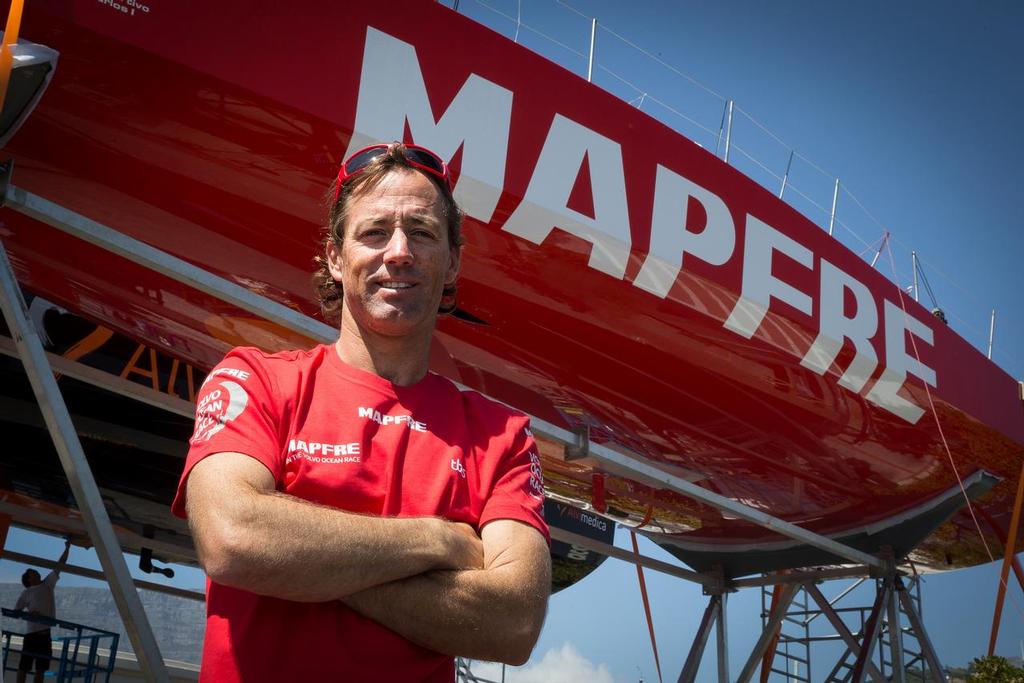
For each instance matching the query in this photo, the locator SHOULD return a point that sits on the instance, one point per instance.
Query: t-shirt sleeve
(51, 579)
(236, 411)
(518, 491)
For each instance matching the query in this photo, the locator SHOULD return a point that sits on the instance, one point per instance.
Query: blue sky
(916, 107)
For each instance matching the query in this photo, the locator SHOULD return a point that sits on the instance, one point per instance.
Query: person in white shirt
(37, 600)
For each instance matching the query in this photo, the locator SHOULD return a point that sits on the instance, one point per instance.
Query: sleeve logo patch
(217, 408)
(536, 475)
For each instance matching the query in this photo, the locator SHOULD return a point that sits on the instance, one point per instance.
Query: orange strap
(597, 498)
(643, 594)
(10, 40)
(1011, 541)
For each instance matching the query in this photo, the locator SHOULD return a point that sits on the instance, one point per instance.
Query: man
(358, 517)
(37, 600)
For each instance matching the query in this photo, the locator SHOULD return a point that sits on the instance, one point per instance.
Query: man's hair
(329, 292)
(24, 576)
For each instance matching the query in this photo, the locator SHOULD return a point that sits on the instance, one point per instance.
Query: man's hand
(466, 548)
(494, 613)
(63, 556)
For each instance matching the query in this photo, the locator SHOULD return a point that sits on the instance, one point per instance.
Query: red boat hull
(212, 132)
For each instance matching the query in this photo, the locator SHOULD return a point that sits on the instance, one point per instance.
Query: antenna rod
(832, 219)
(728, 131)
(593, 38)
(785, 177)
(913, 256)
(991, 333)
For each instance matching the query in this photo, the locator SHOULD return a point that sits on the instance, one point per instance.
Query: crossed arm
(434, 582)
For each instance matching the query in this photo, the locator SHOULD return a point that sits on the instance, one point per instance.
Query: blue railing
(80, 645)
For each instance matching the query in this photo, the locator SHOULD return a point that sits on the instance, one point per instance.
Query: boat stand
(883, 641)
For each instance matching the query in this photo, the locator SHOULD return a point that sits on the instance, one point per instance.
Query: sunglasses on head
(418, 157)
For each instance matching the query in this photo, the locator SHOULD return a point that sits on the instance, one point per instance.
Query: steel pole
(80, 478)
(722, 640)
(785, 177)
(927, 649)
(789, 592)
(913, 258)
(899, 672)
(991, 333)
(728, 130)
(870, 633)
(700, 641)
(839, 625)
(635, 467)
(835, 200)
(590, 61)
(83, 228)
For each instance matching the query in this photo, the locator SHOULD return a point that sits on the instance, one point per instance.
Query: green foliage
(994, 670)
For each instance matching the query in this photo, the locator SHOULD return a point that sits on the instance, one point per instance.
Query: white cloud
(558, 665)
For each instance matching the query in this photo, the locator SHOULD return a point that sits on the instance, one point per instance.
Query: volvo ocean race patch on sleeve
(222, 404)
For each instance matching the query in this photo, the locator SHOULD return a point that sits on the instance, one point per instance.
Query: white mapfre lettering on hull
(760, 286)
(835, 326)
(899, 363)
(714, 244)
(393, 94)
(544, 207)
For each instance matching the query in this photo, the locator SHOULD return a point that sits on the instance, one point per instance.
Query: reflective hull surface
(616, 275)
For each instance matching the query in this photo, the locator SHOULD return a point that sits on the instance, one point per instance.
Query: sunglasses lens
(359, 161)
(427, 159)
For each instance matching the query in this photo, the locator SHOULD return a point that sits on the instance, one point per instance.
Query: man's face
(32, 578)
(395, 258)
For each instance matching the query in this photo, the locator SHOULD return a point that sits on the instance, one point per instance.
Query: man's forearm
(275, 544)
(492, 615)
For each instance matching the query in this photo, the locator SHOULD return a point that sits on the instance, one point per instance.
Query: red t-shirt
(339, 436)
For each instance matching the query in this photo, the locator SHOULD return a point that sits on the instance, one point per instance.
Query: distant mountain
(178, 623)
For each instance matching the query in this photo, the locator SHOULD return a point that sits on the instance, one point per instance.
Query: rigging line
(863, 208)
(644, 52)
(850, 230)
(938, 423)
(617, 77)
(762, 127)
(721, 128)
(531, 28)
(763, 167)
(663, 63)
(938, 270)
(675, 111)
(796, 189)
(572, 9)
(810, 163)
(927, 287)
(495, 10)
(519, 20)
(553, 40)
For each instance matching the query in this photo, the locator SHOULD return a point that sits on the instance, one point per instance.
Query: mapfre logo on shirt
(320, 452)
(217, 408)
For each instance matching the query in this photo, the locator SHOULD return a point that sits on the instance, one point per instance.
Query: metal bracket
(6, 171)
(580, 448)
